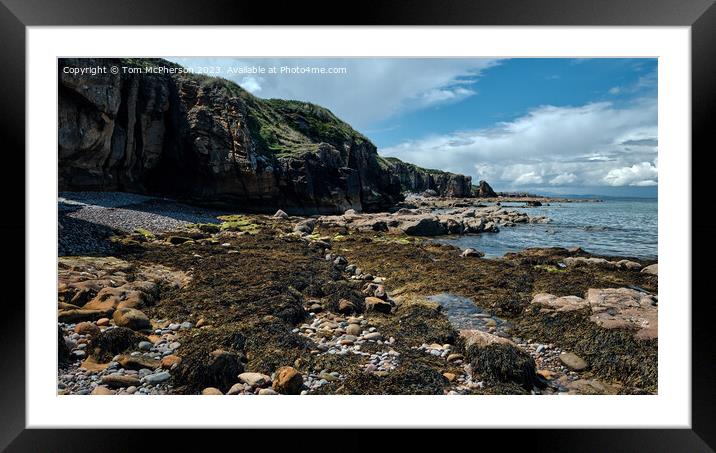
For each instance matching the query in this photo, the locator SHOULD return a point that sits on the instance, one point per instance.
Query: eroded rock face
(209, 141)
(437, 183)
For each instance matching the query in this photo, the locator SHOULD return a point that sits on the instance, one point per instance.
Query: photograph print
(355, 226)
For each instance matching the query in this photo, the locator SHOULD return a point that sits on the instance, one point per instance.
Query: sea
(614, 226)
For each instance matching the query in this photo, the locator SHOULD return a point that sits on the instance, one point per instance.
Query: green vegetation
(391, 161)
(238, 223)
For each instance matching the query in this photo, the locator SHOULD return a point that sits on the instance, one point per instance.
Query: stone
(450, 376)
(652, 269)
(345, 306)
(281, 215)
(591, 387)
(92, 365)
(103, 322)
(376, 304)
(87, 328)
(157, 378)
(498, 359)
(211, 391)
(102, 390)
(423, 226)
(630, 265)
(145, 345)
(288, 381)
(573, 361)
(170, 360)
(137, 362)
(131, 318)
(470, 252)
(625, 308)
(267, 392)
(119, 380)
(547, 374)
(454, 357)
(353, 329)
(254, 379)
(373, 336)
(575, 261)
(201, 323)
(74, 315)
(305, 226)
(237, 388)
(560, 304)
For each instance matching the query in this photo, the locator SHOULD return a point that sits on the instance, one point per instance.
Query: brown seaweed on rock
(111, 342)
(212, 357)
(613, 354)
(503, 363)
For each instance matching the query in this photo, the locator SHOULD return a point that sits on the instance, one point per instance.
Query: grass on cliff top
(391, 161)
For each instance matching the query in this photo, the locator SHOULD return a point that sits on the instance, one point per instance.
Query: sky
(542, 125)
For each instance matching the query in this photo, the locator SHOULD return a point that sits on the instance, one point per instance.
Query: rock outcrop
(205, 139)
(416, 179)
(483, 190)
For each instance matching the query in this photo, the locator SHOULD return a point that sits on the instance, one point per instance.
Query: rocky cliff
(416, 179)
(483, 189)
(207, 140)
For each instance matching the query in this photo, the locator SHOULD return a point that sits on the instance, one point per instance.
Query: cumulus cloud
(642, 174)
(370, 90)
(551, 146)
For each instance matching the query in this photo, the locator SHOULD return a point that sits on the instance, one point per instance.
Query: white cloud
(527, 179)
(251, 84)
(558, 146)
(370, 91)
(563, 178)
(642, 174)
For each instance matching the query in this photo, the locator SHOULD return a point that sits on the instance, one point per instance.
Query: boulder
(87, 328)
(470, 252)
(112, 342)
(254, 379)
(625, 308)
(498, 359)
(170, 361)
(211, 391)
(131, 318)
(573, 361)
(423, 226)
(561, 304)
(102, 390)
(376, 304)
(281, 215)
(652, 269)
(74, 315)
(345, 306)
(305, 226)
(288, 381)
(137, 362)
(484, 190)
(120, 380)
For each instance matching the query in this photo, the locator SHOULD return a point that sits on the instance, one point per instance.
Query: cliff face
(207, 140)
(415, 179)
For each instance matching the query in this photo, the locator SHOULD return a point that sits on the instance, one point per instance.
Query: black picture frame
(16, 15)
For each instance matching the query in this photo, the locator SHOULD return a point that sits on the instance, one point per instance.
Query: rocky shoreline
(213, 303)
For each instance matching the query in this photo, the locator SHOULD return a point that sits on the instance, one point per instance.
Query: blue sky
(561, 126)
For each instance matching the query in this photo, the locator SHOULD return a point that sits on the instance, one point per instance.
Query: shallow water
(463, 314)
(617, 227)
